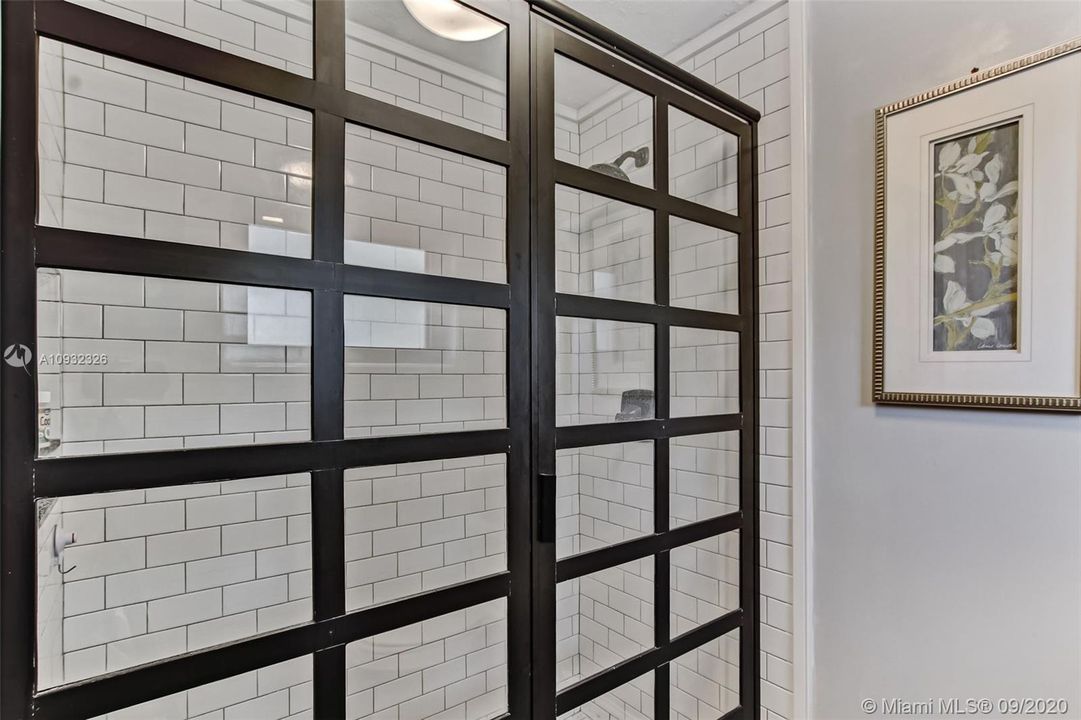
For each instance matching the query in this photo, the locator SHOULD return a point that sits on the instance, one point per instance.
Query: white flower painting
(976, 240)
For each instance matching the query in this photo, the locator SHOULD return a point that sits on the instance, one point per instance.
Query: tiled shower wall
(138, 152)
(751, 62)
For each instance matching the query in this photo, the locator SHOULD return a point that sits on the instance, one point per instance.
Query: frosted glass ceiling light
(452, 20)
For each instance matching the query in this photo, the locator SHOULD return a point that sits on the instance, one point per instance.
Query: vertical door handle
(546, 508)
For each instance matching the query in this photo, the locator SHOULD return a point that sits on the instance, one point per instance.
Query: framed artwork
(977, 277)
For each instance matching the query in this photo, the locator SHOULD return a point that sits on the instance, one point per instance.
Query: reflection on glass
(453, 666)
(129, 577)
(603, 247)
(704, 377)
(416, 527)
(416, 367)
(604, 371)
(402, 55)
(275, 32)
(703, 267)
(127, 363)
(704, 683)
(602, 619)
(704, 581)
(703, 162)
(128, 150)
(605, 495)
(704, 476)
(415, 208)
(602, 124)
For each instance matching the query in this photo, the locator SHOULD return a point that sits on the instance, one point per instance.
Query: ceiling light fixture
(452, 20)
(272, 219)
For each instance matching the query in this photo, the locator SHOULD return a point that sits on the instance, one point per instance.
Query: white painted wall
(946, 544)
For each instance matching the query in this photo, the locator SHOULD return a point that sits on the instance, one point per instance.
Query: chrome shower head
(613, 169)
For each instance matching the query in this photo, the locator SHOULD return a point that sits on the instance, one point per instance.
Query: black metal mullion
(749, 670)
(142, 471)
(596, 685)
(542, 194)
(519, 370)
(585, 306)
(585, 563)
(18, 402)
(570, 436)
(124, 689)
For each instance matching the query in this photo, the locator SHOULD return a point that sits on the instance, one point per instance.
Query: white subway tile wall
(604, 248)
(704, 371)
(161, 572)
(129, 150)
(752, 63)
(704, 683)
(702, 162)
(630, 701)
(704, 581)
(128, 363)
(276, 692)
(604, 369)
(460, 83)
(416, 208)
(703, 477)
(416, 527)
(604, 495)
(703, 264)
(415, 367)
(273, 32)
(452, 666)
(602, 619)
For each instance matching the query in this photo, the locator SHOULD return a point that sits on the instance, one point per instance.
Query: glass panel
(127, 363)
(702, 162)
(605, 495)
(602, 124)
(129, 150)
(704, 476)
(602, 619)
(454, 665)
(704, 371)
(273, 32)
(129, 577)
(703, 267)
(416, 367)
(452, 67)
(630, 701)
(604, 371)
(271, 693)
(413, 207)
(415, 527)
(604, 247)
(704, 581)
(704, 683)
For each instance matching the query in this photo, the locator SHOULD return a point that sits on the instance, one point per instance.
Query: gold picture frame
(1062, 403)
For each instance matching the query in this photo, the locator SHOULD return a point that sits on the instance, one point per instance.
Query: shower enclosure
(385, 363)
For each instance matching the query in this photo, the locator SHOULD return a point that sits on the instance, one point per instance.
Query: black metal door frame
(559, 31)
(25, 246)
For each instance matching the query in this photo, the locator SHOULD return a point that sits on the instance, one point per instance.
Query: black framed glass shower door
(645, 572)
(285, 436)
